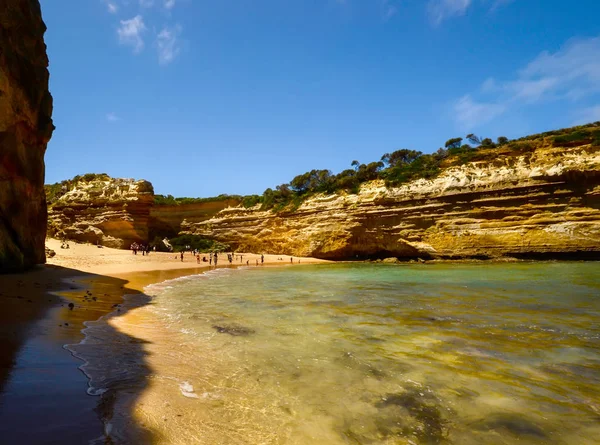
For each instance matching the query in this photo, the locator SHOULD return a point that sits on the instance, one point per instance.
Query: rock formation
(25, 129)
(102, 210)
(166, 220)
(113, 212)
(544, 204)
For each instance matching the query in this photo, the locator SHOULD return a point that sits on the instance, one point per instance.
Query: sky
(206, 97)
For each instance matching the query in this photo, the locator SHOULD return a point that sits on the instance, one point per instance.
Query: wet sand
(43, 396)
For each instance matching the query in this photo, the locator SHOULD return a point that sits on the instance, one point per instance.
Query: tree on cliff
(473, 139)
(314, 180)
(400, 157)
(453, 143)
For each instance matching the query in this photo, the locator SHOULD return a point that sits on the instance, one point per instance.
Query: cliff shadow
(43, 395)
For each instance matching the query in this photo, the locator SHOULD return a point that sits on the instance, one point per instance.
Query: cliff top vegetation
(405, 165)
(55, 191)
(172, 201)
(395, 168)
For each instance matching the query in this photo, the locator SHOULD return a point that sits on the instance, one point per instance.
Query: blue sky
(234, 96)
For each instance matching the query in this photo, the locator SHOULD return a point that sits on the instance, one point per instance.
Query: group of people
(213, 257)
(145, 249)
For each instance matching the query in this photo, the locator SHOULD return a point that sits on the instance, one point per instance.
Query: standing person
(247, 262)
(292, 260)
(216, 259)
(241, 258)
(210, 259)
(262, 259)
(182, 256)
(198, 259)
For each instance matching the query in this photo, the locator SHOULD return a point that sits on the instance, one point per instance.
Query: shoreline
(36, 324)
(39, 377)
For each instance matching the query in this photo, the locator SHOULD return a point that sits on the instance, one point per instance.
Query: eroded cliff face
(165, 220)
(25, 129)
(114, 212)
(106, 211)
(539, 205)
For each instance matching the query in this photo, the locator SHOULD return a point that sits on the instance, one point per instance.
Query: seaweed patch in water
(512, 423)
(431, 427)
(236, 331)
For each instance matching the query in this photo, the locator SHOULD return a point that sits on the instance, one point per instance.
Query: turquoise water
(369, 354)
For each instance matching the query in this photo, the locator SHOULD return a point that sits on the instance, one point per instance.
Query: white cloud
(112, 7)
(112, 117)
(499, 3)
(167, 43)
(130, 33)
(389, 9)
(571, 74)
(440, 10)
(169, 4)
(469, 113)
(587, 115)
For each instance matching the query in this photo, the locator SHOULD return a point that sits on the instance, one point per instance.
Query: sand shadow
(43, 395)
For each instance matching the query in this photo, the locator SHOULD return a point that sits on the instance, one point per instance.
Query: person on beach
(182, 256)
(198, 259)
(262, 259)
(241, 258)
(215, 259)
(247, 262)
(292, 260)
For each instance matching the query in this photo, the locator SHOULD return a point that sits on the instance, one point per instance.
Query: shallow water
(363, 354)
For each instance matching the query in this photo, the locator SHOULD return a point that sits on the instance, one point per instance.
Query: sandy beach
(45, 308)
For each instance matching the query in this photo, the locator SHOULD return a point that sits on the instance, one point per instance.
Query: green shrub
(251, 200)
(522, 146)
(577, 137)
(171, 200)
(198, 242)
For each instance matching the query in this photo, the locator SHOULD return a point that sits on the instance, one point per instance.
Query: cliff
(25, 129)
(113, 212)
(540, 204)
(166, 220)
(101, 210)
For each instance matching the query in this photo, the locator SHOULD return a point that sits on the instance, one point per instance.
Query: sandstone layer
(544, 204)
(25, 129)
(105, 211)
(166, 220)
(115, 212)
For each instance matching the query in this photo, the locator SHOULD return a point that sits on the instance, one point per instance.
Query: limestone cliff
(114, 212)
(166, 220)
(540, 205)
(101, 210)
(25, 129)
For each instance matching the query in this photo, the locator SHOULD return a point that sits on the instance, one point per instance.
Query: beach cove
(344, 353)
(43, 395)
